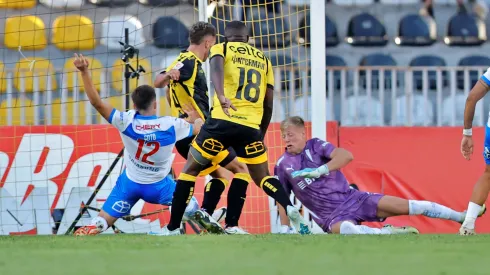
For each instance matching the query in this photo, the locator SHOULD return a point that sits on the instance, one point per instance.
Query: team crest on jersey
(178, 65)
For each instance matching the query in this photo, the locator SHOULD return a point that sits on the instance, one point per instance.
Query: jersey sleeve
(486, 77)
(183, 129)
(279, 174)
(119, 119)
(217, 50)
(186, 68)
(270, 75)
(324, 148)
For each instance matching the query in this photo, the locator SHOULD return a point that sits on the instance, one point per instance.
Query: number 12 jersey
(148, 143)
(247, 75)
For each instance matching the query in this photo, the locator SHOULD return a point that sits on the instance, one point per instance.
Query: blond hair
(294, 120)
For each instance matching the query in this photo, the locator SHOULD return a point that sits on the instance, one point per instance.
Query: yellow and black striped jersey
(191, 88)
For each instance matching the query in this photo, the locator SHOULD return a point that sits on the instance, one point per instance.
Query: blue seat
(169, 32)
(335, 61)
(112, 3)
(471, 61)
(415, 30)
(428, 61)
(331, 34)
(365, 30)
(377, 60)
(270, 32)
(160, 3)
(465, 30)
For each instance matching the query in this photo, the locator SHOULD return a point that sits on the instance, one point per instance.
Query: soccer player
(311, 169)
(243, 79)
(148, 143)
(482, 186)
(188, 89)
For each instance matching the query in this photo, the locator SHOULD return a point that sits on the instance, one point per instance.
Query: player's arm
(102, 107)
(217, 67)
(478, 92)
(178, 71)
(268, 99)
(184, 129)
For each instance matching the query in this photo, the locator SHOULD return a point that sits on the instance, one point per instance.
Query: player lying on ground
(148, 143)
(310, 168)
(482, 186)
(243, 79)
(187, 86)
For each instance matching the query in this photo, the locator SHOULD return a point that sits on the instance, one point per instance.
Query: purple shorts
(358, 207)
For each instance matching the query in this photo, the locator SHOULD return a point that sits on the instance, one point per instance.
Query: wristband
(323, 170)
(468, 132)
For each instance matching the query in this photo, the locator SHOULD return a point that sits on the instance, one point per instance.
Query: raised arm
(163, 79)
(105, 109)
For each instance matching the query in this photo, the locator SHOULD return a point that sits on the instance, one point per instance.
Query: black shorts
(223, 159)
(217, 134)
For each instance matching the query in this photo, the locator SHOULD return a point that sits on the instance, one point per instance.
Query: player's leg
(349, 227)
(480, 192)
(119, 203)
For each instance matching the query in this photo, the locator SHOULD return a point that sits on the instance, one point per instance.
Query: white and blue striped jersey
(148, 143)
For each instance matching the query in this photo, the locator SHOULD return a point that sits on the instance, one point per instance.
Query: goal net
(55, 150)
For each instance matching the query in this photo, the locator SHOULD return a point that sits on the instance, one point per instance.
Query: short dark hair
(235, 26)
(143, 96)
(199, 30)
(294, 120)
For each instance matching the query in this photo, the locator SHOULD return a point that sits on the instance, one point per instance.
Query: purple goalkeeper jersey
(321, 196)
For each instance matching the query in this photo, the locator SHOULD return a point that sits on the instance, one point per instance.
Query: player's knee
(345, 228)
(237, 167)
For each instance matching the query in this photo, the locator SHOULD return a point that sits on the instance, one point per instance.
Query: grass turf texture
(255, 254)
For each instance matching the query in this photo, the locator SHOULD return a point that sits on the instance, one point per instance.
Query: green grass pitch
(255, 254)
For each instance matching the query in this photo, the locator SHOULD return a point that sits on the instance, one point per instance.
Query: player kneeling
(148, 143)
(310, 168)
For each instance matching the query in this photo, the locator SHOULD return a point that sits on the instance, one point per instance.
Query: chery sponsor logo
(51, 162)
(147, 127)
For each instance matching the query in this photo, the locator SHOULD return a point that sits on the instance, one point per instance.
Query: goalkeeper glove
(312, 172)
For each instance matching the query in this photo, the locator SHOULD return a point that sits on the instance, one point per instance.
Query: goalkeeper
(148, 143)
(311, 169)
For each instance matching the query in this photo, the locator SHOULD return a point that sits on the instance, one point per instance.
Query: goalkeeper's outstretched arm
(102, 107)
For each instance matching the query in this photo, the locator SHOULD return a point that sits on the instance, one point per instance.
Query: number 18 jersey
(248, 73)
(148, 143)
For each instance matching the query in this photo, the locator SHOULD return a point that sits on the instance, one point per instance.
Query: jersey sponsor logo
(178, 66)
(304, 183)
(246, 49)
(254, 148)
(147, 127)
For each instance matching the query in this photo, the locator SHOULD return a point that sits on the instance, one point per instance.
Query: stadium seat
(416, 30)
(3, 78)
(471, 61)
(73, 32)
(285, 64)
(352, 2)
(118, 75)
(271, 32)
(420, 116)
(17, 4)
(18, 107)
(169, 32)
(96, 69)
(70, 105)
(302, 107)
(112, 31)
(456, 105)
(363, 111)
(465, 29)
(27, 32)
(331, 35)
(399, 2)
(365, 30)
(334, 61)
(428, 61)
(160, 3)
(42, 68)
(377, 60)
(62, 4)
(111, 3)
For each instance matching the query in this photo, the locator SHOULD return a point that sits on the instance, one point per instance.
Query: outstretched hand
(307, 173)
(81, 62)
(467, 147)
